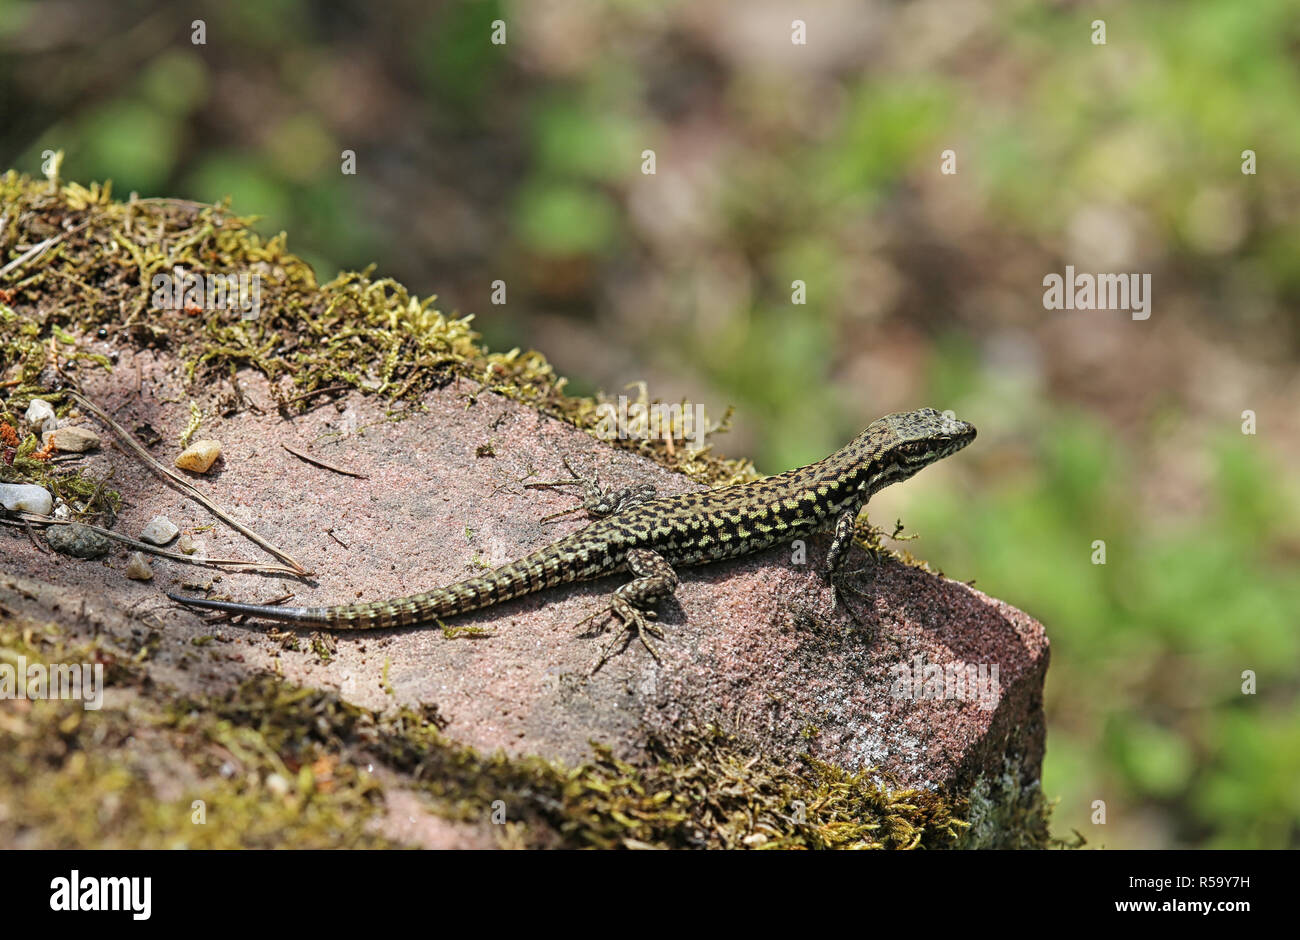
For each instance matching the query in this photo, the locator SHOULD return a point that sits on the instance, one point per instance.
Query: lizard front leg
(634, 602)
(842, 540)
(837, 555)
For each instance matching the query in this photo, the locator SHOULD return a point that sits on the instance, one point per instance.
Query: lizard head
(921, 437)
(929, 434)
(896, 446)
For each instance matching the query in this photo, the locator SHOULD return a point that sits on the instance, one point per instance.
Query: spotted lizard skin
(650, 536)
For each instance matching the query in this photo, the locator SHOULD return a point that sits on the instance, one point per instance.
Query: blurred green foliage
(1145, 703)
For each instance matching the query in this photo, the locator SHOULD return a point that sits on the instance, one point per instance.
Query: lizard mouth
(923, 452)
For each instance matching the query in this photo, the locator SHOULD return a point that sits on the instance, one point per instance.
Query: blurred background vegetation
(820, 163)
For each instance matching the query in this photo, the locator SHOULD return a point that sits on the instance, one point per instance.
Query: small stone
(199, 456)
(137, 568)
(158, 531)
(40, 415)
(71, 440)
(62, 511)
(21, 496)
(77, 540)
(186, 545)
(277, 784)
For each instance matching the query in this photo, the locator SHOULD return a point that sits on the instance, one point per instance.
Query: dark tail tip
(251, 610)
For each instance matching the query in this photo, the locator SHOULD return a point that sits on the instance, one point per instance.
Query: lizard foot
(842, 584)
(636, 625)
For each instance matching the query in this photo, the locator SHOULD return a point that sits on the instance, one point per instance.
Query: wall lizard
(637, 532)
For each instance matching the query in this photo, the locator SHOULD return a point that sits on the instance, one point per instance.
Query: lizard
(648, 536)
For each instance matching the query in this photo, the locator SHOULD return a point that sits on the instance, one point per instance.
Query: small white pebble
(158, 531)
(186, 545)
(137, 569)
(277, 784)
(40, 415)
(19, 496)
(199, 456)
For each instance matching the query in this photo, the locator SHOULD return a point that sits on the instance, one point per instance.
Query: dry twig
(316, 461)
(185, 486)
(26, 519)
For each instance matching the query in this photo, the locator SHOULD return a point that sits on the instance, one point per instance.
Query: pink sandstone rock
(752, 645)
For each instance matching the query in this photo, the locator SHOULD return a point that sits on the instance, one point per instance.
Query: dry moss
(145, 772)
(354, 332)
(277, 765)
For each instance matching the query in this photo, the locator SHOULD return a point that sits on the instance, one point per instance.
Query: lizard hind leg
(633, 603)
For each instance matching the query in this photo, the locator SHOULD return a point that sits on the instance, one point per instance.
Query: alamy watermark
(78, 893)
(957, 681)
(35, 681)
(1085, 291)
(183, 290)
(649, 421)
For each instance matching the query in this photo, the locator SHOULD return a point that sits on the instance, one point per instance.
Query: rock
(158, 531)
(40, 415)
(71, 440)
(78, 540)
(199, 456)
(189, 545)
(752, 647)
(21, 496)
(137, 568)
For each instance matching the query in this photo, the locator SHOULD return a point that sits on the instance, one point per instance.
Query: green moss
(196, 419)
(1007, 813)
(324, 645)
(355, 331)
(278, 765)
(87, 496)
(146, 772)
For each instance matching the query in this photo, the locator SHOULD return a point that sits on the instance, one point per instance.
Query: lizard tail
(399, 612)
(287, 614)
(534, 572)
